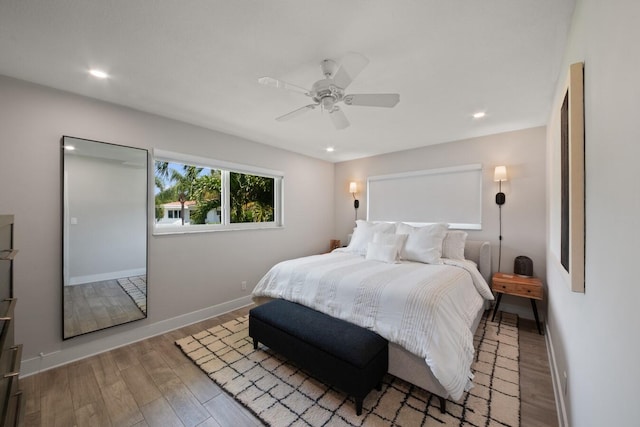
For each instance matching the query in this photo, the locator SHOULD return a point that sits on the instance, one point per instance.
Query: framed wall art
(569, 111)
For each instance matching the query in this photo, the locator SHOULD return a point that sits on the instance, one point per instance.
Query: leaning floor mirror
(104, 230)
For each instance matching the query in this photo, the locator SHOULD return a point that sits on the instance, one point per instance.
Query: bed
(428, 311)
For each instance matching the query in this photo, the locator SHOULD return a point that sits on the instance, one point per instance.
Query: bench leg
(443, 404)
(359, 407)
(255, 344)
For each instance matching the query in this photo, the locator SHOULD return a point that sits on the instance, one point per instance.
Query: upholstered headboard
(479, 252)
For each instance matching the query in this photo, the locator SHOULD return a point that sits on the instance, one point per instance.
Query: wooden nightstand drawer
(529, 287)
(529, 290)
(519, 289)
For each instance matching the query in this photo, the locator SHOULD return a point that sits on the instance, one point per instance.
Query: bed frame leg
(443, 404)
(255, 344)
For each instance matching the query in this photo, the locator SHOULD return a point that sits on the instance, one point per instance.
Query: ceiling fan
(328, 92)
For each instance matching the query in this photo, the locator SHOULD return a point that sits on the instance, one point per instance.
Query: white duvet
(427, 309)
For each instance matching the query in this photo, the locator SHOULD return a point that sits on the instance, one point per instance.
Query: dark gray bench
(351, 358)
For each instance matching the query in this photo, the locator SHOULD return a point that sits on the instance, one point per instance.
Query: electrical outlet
(244, 285)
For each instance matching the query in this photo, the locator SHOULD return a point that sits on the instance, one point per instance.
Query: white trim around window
(225, 167)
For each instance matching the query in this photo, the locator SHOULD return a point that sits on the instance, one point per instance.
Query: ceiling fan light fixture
(328, 92)
(327, 103)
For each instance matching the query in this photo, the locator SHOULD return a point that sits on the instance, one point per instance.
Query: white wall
(109, 202)
(595, 335)
(207, 270)
(523, 214)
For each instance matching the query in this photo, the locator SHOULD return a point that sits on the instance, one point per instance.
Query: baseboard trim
(91, 348)
(561, 408)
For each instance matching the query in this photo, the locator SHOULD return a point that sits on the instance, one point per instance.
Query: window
(172, 213)
(251, 198)
(194, 194)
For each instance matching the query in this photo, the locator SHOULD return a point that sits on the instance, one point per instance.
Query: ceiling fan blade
(279, 84)
(350, 66)
(338, 118)
(296, 113)
(373, 99)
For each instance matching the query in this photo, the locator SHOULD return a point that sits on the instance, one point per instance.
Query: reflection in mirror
(104, 209)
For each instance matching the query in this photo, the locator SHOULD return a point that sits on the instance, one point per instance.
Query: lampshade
(500, 174)
(353, 187)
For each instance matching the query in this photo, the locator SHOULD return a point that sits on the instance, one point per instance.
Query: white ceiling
(199, 61)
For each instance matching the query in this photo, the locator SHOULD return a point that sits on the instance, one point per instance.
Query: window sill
(162, 231)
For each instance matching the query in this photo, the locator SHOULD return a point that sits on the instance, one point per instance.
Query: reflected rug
(136, 288)
(280, 394)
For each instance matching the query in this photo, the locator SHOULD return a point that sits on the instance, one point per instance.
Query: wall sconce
(499, 175)
(353, 189)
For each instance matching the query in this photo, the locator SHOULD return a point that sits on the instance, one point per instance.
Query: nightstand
(511, 284)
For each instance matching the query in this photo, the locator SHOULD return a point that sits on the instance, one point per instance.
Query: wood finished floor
(537, 402)
(151, 383)
(92, 306)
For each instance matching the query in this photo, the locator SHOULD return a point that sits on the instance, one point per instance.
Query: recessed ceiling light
(479, 115)
(98, 73)
(330, 149)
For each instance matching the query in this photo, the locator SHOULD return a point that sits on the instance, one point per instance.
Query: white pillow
(424, 244)
(363, 235)
(380, 252)
(453, 244)
(397, 240)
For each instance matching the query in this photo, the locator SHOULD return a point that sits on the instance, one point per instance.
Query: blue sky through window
(178, 167)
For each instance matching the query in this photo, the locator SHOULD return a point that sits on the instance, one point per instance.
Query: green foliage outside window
(206, 192)
(251, 197)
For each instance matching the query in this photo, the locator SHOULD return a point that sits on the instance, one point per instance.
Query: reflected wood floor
(151, 383)
(92, 306)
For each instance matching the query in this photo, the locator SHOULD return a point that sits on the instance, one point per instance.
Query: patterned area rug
(136, 288)
(280, 394)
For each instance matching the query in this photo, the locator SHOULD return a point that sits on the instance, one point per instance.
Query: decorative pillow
(381, 252)
(453, 244)
(363, 235)
(397, 240)
(424, 244)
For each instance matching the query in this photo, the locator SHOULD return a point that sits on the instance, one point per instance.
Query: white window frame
(225, 168)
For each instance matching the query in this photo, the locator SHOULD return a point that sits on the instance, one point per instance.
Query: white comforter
(427, 309)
